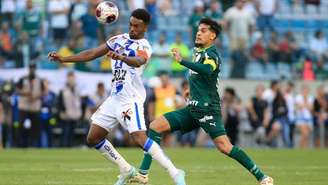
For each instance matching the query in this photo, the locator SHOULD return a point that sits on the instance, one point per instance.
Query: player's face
(204, 37)
(137, 28)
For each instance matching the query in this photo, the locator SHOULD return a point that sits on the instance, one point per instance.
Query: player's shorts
(112, 112)
(186, 120)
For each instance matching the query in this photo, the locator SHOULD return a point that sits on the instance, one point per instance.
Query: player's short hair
(141, 14)
(214, 26)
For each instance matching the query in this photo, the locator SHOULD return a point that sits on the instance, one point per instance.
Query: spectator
(214, 12)
(161, 56)
(31, 23)
(165, 101)
(90, 27)
(70, 49)
(318, 45)
(279, 121)
(77, 10)
(308, 70)
(99, 97)
(194, 18)
(151, 7)
(231, 107)
(239, 24)
(287, 48)
(7, 101)
(258, 113)
(70, 110)
(177, 69)
(30, 89)
(31, 20)
(8, 9)
(304, 104)
(258, 51)
(47, 115)
(58, 10)
(266, 10)
(166, 7)
(273, 48)
(135, 4)
(6, 45)
(320, 107)
(290, 101)
(321, 71)
(270, 93)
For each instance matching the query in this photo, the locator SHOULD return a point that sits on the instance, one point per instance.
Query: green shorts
(186, 120)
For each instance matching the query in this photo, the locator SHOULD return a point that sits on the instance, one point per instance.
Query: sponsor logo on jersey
(205, 118)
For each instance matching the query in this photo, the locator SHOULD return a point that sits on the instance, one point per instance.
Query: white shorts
(112, 112)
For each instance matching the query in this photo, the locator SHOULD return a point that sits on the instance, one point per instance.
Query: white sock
(157, 153)
(110, 153)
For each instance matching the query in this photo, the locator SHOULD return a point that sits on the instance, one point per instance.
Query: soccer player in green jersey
(203, 109)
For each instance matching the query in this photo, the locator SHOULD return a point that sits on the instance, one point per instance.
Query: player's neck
(204, 47)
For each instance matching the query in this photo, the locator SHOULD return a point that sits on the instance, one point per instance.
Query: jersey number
(119, 75)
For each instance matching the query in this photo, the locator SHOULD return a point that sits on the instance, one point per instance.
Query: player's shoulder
(212, 53)
(144, 45)
(144, 42)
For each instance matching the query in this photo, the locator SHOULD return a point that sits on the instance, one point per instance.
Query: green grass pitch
(203, 167)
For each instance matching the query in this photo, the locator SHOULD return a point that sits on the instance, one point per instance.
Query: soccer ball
(107, 12)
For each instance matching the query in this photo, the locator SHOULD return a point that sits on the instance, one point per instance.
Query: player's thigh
(131, 117)
(182, 120)
(105, 116)
(211, 123)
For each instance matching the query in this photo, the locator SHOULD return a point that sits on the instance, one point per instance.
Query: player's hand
(114, 55)
(176, 54)
(53, 56)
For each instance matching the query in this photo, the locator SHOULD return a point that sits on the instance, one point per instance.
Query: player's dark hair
(141, 14)
(214, 26)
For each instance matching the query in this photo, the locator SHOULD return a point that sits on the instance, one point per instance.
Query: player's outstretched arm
(130, 61)
(83, 56)
(205, 69)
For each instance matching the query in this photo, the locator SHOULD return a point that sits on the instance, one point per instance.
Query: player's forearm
(205, 69)
(83, 56)
(134, 61)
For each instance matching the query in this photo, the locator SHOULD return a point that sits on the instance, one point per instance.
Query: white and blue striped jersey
(127, 83)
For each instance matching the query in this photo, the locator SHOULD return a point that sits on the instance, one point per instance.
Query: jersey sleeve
(144, 50)
(212, 59)
(111, 42)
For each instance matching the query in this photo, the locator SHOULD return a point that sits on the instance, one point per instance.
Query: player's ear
(145, 27)
(213, 36)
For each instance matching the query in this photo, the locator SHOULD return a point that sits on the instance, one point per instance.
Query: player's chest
(126, 47)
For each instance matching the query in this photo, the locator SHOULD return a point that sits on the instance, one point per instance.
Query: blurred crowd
(261, 39)
(32, 115)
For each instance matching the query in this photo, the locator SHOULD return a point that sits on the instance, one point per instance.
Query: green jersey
(204, 86)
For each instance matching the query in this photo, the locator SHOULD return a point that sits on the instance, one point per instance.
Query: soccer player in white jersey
(129, 53)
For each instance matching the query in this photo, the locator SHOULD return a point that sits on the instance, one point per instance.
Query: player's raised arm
(206, 68)
(84, 56)
(136, 61)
